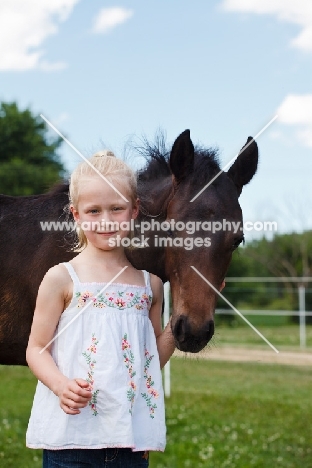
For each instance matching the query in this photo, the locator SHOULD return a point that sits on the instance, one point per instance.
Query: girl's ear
(135, 209)
(74, 213)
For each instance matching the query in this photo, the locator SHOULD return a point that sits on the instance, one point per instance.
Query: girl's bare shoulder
(57, 277)
(155, 279)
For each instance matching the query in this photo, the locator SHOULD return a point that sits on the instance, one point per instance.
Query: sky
(105, 73)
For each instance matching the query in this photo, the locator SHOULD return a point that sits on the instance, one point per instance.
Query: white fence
(301, 313)
(290, 313)
(166, 316)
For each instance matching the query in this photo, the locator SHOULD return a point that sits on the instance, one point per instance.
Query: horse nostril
(192, 340)
(180, 329)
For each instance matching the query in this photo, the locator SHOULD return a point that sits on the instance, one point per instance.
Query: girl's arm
(73, 394)
(164, 338)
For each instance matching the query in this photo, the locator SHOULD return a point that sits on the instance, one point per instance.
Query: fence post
(302, 318)
(166, 320)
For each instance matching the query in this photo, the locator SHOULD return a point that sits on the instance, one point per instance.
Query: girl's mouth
(107, 234)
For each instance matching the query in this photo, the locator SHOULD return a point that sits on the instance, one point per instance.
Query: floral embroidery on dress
(151, 392)
(129, 361)
(90, 379)
(83, 297)
(119, 299)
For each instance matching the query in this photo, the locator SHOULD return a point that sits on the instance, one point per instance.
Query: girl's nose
(107, 216)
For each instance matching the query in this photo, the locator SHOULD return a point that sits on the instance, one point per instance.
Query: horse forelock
(157, 166)
(206, 164)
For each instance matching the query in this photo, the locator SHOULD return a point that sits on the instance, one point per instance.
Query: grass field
(219, 415)
(282, 336)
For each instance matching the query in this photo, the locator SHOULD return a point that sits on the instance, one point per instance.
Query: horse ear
(245, 166)
(181, 160)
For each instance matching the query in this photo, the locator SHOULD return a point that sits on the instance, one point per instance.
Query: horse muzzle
(189, 339)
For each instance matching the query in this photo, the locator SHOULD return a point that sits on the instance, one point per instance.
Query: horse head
(215, 222)
(201, 225)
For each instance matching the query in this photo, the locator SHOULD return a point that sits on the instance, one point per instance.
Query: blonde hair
(104, 163)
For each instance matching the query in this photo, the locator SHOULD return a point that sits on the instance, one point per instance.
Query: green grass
(237, 415)
(16, 394)
(240, 334)
(219, 415)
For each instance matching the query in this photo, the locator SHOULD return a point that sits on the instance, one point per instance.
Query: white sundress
(112, 345)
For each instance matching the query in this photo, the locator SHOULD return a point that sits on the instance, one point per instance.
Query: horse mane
(157, 155)
(59, 187)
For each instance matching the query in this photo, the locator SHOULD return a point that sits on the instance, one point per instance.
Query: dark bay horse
(167, 185)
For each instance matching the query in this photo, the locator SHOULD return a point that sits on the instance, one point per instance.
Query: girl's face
(102, 213)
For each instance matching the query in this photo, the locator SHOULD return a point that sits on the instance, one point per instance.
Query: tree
(29, 162)
(283, 257)
(286, 255)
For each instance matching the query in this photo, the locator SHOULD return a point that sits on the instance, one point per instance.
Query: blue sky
(104, 72)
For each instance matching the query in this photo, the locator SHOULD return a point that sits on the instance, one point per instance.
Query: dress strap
(147, 278)
(71, 272)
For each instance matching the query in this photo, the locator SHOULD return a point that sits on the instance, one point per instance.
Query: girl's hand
(74, 394)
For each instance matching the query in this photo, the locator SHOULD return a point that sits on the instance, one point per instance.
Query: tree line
(29, 159)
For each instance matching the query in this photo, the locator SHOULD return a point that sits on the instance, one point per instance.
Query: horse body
(27, 253)
(166, 186)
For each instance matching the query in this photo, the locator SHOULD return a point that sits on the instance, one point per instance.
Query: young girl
(96, 343)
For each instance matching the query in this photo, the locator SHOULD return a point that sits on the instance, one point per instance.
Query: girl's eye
(117, 208)
(93, 211)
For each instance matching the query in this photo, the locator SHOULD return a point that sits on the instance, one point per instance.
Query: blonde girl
(96, 343)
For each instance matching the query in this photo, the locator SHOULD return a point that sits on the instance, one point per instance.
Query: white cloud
(24, 25)
(109, 18)
(292, 11)
(296, 110)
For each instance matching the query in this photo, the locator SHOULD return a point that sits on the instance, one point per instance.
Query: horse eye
(237, 242)
(170, 233)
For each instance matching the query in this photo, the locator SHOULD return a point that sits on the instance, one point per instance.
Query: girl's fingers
(77, 397)
(73, 404)
(75, 400)
(82, 383)
(81, 387)
(69, 410)
(74, 388)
